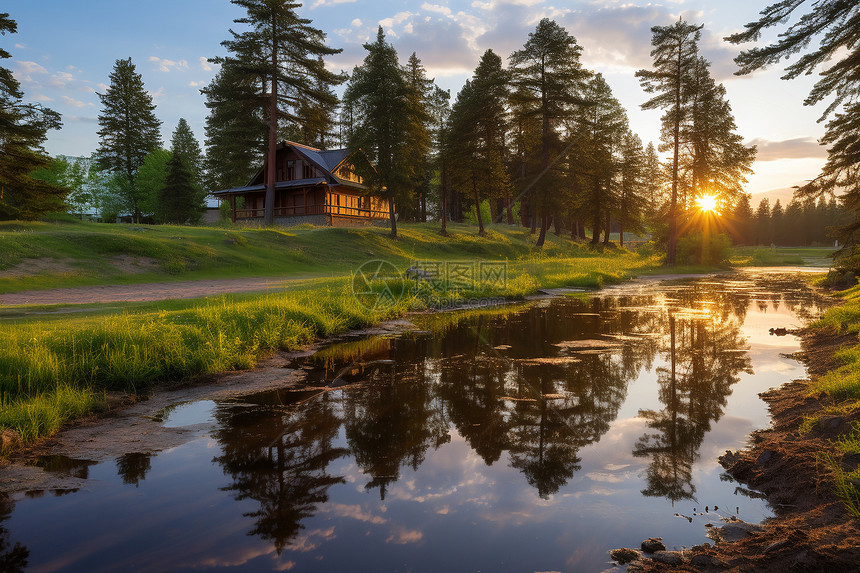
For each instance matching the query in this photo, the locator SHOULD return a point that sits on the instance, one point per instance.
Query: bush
(691, 251)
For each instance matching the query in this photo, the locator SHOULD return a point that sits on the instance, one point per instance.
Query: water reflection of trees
(13, 557)
(706, 355)
(279, 458)
(132, 468)
(479, 375)
(391, 420)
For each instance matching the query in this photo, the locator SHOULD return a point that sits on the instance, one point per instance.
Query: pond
(530, 437)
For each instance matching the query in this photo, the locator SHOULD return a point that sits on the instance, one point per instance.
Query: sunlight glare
(708, 204)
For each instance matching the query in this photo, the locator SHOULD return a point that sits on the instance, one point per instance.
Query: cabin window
(291, 170)
(307, 171)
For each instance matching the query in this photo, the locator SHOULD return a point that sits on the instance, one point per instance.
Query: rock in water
(668, 557)
(653, 544)
(624, 555)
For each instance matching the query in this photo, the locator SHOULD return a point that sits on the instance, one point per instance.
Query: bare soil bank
(812, 530)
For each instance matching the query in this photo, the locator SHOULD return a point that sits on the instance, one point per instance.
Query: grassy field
(57, 364)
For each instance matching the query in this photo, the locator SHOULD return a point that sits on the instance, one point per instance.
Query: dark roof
(325, 160)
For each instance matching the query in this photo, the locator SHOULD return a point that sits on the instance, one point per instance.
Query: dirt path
(145, 292)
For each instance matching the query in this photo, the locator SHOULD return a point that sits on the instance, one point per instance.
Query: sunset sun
(708, 204)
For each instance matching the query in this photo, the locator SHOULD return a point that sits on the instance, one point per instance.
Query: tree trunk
(556, 226)
(269, 210)
(673, 215)
(444, 191)
(508, 208)
(621, 230)
(481, 232)
(573, 228)
(392, 215)
(608, 229)
(544, 225)
(494, 210)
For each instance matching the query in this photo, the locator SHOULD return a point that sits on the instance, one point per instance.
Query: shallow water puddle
(527, 438)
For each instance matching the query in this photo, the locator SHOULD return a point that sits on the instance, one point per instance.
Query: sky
(64, 52)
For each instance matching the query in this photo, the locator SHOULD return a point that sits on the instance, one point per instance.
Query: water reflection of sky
(420, 466)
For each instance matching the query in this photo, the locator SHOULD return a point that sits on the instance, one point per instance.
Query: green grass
(843, 385)
(42, 255)
(848, 481)
(57, 363)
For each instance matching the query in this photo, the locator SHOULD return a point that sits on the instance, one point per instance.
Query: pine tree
(440, 112)
(602, 128)
(632, 189)
(762, 223)
(129, 130)
(23, 129)
(283, 53)
(547, 73)
(476, 140)
(675, 57)
(718, 160)
(777, 224)
(179, 198)
(654, 182)
(235, 129)
(382, 119)
(184, 145)
(420, 90)
(742, 220)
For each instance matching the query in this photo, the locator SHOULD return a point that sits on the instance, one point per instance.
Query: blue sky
(64, 51)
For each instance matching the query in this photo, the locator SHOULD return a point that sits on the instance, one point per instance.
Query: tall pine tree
(382, 121)
(23, 130)
(129, 131)
(675, 58)
(235, 130)
(281, 54)
(547, 76)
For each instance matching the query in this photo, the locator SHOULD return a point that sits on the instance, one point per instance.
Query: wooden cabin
(311, 186)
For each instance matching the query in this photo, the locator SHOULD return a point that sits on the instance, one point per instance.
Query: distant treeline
(800, 223)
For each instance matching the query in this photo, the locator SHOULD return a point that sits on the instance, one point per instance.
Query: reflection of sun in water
(708, 204)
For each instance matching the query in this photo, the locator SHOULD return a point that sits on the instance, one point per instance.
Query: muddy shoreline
(812, 530)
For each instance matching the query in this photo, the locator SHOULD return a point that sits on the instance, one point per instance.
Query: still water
(525, 438)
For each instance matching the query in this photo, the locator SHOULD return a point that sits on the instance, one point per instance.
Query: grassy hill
(49, 255)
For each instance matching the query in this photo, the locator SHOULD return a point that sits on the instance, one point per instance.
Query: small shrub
(692, 250)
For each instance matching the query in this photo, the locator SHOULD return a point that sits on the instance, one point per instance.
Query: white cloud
(26, 70)
(796, 148)
(444, 10)
(73, 102)
(21, 46)
(319, 3)
(157, 95)
(204, 63)
(196, 84)
(165, 65)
